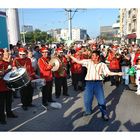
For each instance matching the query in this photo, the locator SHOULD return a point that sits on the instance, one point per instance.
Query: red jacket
(114, 62)
(75, 67)
(26, 63)
(61, 72)
(45, 69)
(3, 67)
(136, 57)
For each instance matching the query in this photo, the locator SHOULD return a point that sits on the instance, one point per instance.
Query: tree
(37, 36)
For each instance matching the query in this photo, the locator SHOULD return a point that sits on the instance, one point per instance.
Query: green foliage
(37, 36)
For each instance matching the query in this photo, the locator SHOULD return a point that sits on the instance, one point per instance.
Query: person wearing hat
(5, 93)
(61, 74)
(46, 73)
(27, 91)
(76, 71)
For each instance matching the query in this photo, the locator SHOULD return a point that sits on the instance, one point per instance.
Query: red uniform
(26, 91)
(26, 63)
(137, 55)
(75, 67)
(45, 69)
(3, 67)
(114, 62)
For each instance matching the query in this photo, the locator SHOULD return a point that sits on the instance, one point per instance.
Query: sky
(52, 18)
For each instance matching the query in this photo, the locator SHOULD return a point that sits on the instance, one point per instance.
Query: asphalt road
(123, 107)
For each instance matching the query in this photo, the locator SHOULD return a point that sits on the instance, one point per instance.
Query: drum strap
(18, 64)
(45, 62)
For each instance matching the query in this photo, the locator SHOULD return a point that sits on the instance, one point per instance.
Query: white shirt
(95, 71)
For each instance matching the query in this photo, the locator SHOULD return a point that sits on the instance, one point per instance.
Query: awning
(131, 36)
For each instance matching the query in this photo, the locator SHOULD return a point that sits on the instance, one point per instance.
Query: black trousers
(5, 104)
(47, 92)
(115, 79)
(76, 77)
(61, 83)
(26, 95)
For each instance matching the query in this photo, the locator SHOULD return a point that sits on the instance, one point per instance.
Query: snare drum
(17, 79)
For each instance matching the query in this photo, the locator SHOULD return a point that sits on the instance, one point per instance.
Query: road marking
(18, 126)
(38, 95)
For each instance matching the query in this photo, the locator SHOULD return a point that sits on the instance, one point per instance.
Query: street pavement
(123, 107)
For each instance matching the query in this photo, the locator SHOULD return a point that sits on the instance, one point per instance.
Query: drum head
(14, 74)
(56, 62)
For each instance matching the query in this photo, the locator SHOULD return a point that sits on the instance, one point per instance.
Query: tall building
(130, 23)
(77, 34)
(13, 25)
(106, 31)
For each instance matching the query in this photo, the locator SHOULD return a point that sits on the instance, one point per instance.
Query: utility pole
(70, 24)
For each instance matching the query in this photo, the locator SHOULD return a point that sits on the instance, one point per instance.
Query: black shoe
(32, 105)
(45, 104)
(86, 114)
(105, 117)
(24, 107)
(3, 122)
(11, 115)
(51, 101)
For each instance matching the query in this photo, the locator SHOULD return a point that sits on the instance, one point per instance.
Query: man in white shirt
(96, 71)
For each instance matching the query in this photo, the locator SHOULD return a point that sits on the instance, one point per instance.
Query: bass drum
(17, 79)
(56, 62)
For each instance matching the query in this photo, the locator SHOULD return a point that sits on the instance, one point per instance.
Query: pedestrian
(125, 65)
(94, 86)
(5, 93)
(137, 68)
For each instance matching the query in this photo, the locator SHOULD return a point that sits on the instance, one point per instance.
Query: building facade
(13, 25)
(129, 25)
(77, 34)
(106, 31)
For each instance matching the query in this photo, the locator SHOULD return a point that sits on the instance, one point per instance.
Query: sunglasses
(22, 54)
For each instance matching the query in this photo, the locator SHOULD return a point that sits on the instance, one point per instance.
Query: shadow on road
(96, 123)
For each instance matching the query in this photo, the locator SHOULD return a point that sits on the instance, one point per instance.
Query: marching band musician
(27, 91)
(61, 75)
(76, 71)
(5, 93)
(46, 73)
